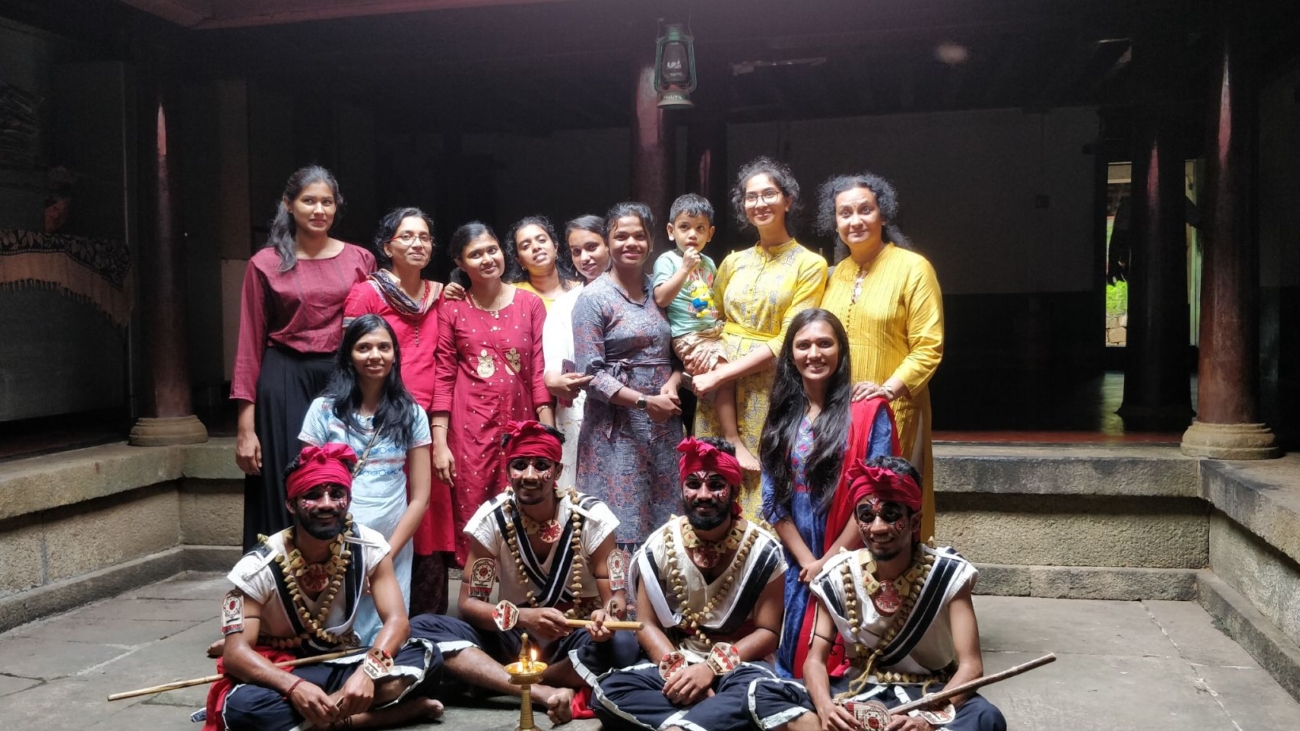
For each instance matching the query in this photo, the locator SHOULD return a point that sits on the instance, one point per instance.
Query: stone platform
(1152, 665)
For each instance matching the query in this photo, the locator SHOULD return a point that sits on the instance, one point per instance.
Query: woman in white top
(585, 237)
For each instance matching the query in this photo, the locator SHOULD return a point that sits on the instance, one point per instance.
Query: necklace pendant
(887, 600)
(314, 579)
(705, 558)
(550, 531)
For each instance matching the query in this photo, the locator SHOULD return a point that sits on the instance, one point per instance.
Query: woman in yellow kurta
(889, 301)
(759, 291)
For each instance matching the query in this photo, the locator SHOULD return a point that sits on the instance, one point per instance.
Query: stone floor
(1122, 665)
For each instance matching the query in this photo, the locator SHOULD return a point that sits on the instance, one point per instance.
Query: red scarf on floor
(218, 690)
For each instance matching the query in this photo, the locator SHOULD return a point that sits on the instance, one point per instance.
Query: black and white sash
(354, 579)
(553, 586)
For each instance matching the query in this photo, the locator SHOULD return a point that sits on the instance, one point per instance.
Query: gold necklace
(494, 312)
(693, 621)
(292, 566)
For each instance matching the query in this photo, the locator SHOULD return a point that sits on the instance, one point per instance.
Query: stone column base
(1230, 441)
(168, 432)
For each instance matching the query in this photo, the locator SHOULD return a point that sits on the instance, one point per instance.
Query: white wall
(967, 183)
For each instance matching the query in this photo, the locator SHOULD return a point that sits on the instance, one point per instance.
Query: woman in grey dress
(627, 453)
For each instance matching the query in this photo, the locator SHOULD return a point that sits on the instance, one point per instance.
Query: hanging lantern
(675, 68)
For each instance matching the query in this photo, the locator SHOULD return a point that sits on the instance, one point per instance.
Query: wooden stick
(947, 693)
(214, 678)
(611, 624)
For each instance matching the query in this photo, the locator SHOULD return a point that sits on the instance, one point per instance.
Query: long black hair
(283, 226)
(515, 271)
(388, 226)
(781, 177)
(788, 404)
(886, 202)
(393, 416)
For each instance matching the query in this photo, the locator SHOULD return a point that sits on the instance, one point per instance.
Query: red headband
(531, 439)
(867, 481)
(700, 456)
(330, 464)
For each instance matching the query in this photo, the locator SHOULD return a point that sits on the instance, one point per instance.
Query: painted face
(482, 259)
(536, 250)
(532, 478)
(886, 526)
(321, 510)
(765, 204)
(629, 242)
(857, 217)
(411, 245)
(691, 232)
(590, 253)
(313, 210)
(707, 497)
(372, 355)
(816, 351)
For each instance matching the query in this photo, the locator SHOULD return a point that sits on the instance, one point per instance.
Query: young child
(683, 287)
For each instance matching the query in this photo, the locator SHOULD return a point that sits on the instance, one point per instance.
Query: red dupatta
(862, 417)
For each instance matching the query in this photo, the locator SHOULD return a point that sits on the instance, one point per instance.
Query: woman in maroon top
(397, 293)
(489, 371)
(290, 324)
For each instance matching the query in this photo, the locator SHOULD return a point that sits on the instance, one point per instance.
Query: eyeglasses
(889, 512)
(540, 464)
(408, 238)
(769, 196)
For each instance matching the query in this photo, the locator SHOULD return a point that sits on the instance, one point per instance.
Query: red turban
(531, 439)
(867, 481)
(700, 456)
(330, 464)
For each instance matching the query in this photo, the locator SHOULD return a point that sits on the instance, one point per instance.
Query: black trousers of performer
(633, 698)
(286, 386)
(775, 702)
(590, 658)
(255, 708)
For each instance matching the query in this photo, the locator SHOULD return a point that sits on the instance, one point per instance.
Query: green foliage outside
(1116, 299)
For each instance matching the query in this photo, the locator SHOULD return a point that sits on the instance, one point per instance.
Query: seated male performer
(296, 596)
(710, 594)
(552, 552)
(905, 613)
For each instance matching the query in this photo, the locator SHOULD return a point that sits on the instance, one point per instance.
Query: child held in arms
(683, 287)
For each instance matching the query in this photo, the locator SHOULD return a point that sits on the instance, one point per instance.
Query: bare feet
(415, 709)
(743, 455)
(217, 648)
(558, 702)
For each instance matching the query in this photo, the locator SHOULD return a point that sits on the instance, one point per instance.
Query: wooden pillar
(706, 147)
(167, 401)
(653, 147)
(1157, 383)
(1227, 424)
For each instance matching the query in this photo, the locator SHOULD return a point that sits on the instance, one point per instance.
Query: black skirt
(286, 386)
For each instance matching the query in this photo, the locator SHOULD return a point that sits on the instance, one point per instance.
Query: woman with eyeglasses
(759, 290)
(489, 371)
(403, 246)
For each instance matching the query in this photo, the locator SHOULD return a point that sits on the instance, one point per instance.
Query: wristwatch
(641, 402)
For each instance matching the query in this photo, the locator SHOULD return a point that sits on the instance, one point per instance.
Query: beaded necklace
(693, 621)
(512, 540)
(292, 566)
(922, 564)
(706, 554)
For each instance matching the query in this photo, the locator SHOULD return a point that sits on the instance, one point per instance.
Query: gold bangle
(543, 406)
(438, 426)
